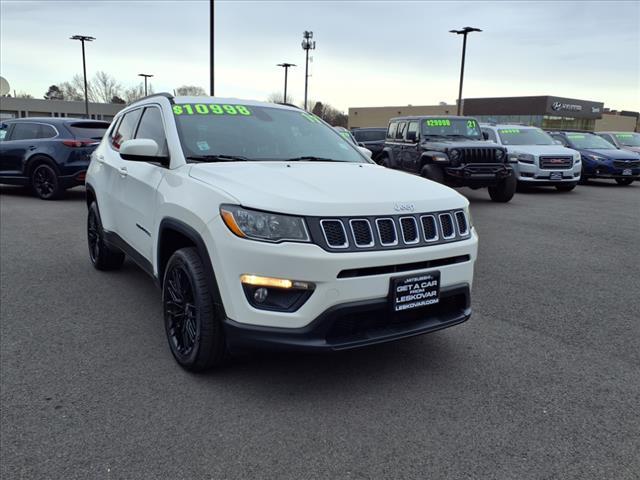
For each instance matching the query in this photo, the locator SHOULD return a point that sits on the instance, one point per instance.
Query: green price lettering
(471, 124)
(438, 123)
(510, 131)
(624, 135)
(210, 109)
(312, 118)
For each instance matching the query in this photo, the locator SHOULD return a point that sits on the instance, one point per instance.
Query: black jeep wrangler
(449, 150)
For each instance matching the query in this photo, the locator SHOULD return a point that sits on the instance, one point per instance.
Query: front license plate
(626, 171)
(415, 291)
(555, 176)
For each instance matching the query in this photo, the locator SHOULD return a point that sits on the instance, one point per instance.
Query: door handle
(123, 172)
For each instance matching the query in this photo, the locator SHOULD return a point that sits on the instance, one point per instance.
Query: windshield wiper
(217, 158)
(311, 158)
(463, 136)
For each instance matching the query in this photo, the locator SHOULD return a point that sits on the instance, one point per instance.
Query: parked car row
(458, 151)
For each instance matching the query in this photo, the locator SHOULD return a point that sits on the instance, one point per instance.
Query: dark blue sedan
(48, 154)
(601, 159)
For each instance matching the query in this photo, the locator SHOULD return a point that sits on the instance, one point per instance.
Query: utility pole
(211, 35)
(286, 69)
(145, 75)
(84, 38)
(307, 44)
(464, 32)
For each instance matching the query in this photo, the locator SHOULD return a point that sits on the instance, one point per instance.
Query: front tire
(103, 256)
(624, 181)
(192, 322)
(566, 187)
(504, 190)
(433, 173)
(45, 182)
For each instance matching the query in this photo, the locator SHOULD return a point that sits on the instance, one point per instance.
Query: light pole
(286, 70)
(145, 75)
(464, 32)
(211, 30)
(84, 38)
(307, 44)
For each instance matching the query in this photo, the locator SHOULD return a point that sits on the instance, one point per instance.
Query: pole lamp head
(465, 30)
(82, 38)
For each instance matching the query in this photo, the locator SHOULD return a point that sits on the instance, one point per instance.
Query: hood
(632, 149)
(326, 188)
(542, 150)
(609, 153)
(462, 143)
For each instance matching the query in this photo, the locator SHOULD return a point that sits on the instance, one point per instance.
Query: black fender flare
(169, 223)
(388, 153)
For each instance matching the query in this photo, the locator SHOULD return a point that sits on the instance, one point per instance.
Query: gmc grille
(354, 234)
(556, 163)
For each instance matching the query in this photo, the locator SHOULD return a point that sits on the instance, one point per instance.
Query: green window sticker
(624, 135)
(345, 135)
(311, 117)
(508, 131)
(210, 109)
(471, 124)
(437, 122)
(575, 136)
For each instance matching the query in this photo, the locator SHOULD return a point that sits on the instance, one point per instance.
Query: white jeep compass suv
(265, 228)
(535, 157)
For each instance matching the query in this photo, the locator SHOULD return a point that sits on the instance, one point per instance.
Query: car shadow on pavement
(77, 193)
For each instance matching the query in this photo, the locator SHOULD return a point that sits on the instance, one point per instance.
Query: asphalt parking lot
(542, 383)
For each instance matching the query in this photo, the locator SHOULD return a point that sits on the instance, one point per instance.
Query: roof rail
(159, 94)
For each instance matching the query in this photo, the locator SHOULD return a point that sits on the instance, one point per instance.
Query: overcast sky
(368, 53)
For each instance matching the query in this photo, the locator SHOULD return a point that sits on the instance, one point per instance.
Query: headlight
(576, 158)
(526, 158)
(454, 154)
(263, 226)
(500, 155)
(596, 158)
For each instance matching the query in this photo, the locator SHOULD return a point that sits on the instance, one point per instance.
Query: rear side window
(414, 127)
(4, 128)
(369, 135)
(152, 127)
(32, 131)
(391, 132)
(91, 130)
(402, 126)
(126, 129)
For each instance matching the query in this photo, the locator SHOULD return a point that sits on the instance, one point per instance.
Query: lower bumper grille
(625, 164)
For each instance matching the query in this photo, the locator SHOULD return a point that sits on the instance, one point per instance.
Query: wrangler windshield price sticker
(437, 123)
(510, 130)
(415, 292)
(210, 109)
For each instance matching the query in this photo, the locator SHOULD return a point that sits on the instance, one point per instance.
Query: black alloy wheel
(103, 256)
(44, 181)
(181, 311)
(624, 181)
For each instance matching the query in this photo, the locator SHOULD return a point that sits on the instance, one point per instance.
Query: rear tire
(624, 181)
(504, 191)
(433, 173)
(566, 187)
(103, 256)
(45, 182)
(192, 321)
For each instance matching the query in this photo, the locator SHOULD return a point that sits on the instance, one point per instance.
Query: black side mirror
(485, 135)
(412, 136)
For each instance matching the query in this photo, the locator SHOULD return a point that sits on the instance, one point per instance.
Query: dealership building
(11, 107)
(547, 112)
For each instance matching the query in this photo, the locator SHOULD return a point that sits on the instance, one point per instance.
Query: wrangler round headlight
(264, 226)
(500, 155)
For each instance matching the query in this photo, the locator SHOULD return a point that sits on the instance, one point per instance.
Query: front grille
(334, 233)
(625, 164)
(387, 231)
(351, 234)
(362, 234)
(409, 228)
(446, 223)
(461, 221)
(556, 163)
(429, 228)
(479, 155)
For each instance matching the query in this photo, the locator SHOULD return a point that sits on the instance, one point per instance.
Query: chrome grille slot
(429, 228)
(556, 163)
(387, 232)
(409, 228)
(446, 224)
(334, 233)
(362, 234)
(461, 222)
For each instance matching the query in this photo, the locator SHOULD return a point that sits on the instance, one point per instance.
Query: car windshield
(210, 130)
(588, 141)
(524, 136)
(628, 139)
(446, 127)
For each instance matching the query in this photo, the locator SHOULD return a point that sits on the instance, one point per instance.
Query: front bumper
(354, 324)
(478, 174)
(532, 173)
(608, 172)
(232, 257)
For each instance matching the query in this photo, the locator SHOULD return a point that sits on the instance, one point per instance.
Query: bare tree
(190, 91)
(105, 87)
(23, 95)
(136, 92)
(278, 97)
(331, 115)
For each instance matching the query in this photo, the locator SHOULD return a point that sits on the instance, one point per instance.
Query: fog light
(260, 295)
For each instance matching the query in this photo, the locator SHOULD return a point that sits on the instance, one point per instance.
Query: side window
(491, 134)
(126, 129)
(609, 138)
(25, 131)
(402, 126)
(562, 140)
(414, 127)
(152, 127)
(4, 128)
(391, 131)
(46, 131)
